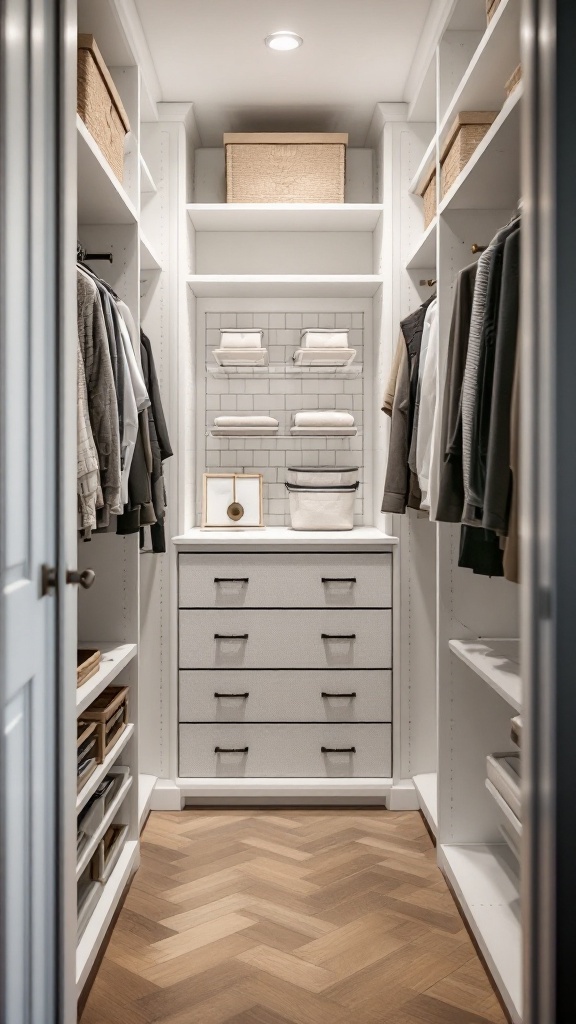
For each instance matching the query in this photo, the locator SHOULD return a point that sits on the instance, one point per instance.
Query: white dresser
(285, 655)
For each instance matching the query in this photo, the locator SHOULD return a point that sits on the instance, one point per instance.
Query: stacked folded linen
(241, 347)
(247, 426)
(324, 338)
(240, 339)
(324, 422)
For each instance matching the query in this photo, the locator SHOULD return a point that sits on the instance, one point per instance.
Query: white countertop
(367, 537)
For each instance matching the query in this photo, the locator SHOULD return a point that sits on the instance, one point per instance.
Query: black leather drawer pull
(230, 636)
(242, 696)
(338, 579)
(231, 579)
(230, 750)
(338, 636)
(352, 695)
(338, 750)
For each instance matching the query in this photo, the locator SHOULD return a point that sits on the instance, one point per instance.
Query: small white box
(240, 338)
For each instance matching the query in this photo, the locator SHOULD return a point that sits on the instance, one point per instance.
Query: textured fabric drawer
(286, 696)
(286, 581)
(285, 751)
(285, 639)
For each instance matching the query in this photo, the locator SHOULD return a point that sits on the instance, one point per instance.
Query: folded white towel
(323, 418)
(245, 421)
(324, 339)
(240, 339)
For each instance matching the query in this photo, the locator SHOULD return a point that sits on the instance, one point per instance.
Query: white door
(34, 323)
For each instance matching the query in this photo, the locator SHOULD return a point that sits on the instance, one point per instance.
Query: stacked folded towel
(324, 339)
(240, 339)
(247, 425)
(323, 421)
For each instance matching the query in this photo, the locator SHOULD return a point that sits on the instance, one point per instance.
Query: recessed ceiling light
(283, 41)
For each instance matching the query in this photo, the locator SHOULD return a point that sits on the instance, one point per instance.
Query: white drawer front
(285, 751)
(286, 581)
(285, 639)
(283, 695)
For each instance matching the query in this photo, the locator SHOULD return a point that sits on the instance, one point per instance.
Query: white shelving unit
(426, 787)
(497, 662)
(424, 253)
(285, 216)
(102, 770)
(146, 784)
(101, 197)
(88, 851)
(349, 372)
(115, 657)
(284, 285)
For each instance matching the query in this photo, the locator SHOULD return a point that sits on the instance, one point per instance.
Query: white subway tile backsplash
(277, 320)
(228, 403)
(276, 458)
(245, 320)
(245, 403)
(294, 320)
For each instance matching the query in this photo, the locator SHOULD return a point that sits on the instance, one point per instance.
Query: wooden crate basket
(427, 190)
(463, 139)
(87, 664)
(109, 713)
(99, 104)
(285, 168)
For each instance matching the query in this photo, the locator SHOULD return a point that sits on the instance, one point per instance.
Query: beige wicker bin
(463, 139)
(514, 80)
(99, 104)
(427, 190)
(285, 167)
(491, 8)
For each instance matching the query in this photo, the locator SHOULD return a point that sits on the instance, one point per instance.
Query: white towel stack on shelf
(324, 347)
(240, 347)
(244, 426)
(324, 422)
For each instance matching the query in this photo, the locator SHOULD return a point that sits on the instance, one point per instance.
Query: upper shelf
(285, 216)
(147, 183)
(424, 253)
(289, 371)
(101, 198)
(497, 662)
(314, 286)
(115, 657)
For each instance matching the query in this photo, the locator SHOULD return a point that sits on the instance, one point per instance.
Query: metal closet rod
(82, 255)
(429, 282)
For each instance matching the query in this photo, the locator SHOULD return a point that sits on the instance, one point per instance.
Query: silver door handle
(85, 578)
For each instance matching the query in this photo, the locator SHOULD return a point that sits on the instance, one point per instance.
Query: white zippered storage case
(321, 476)
(322, 508)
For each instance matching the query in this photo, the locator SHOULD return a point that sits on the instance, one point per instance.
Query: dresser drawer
(285, 751)
(285, 639)
(286, 696)
(285, 581)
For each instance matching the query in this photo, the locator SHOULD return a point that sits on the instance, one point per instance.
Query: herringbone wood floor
(290, 917)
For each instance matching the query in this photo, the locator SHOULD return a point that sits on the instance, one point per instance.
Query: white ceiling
(356, 53)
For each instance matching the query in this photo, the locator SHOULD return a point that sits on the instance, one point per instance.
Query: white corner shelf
(146, 784)
(497, 662)
(90, 848)
(491, 178)
(485, 881)
(148, 258)
(427, 162)
(147, 183)
(115, 657)
(96, 778)
(349, 372)
(285, 216)
(103, 913)
(101, 198)
(426, 787)
(302, 286)
(482, 87)
(423, 255)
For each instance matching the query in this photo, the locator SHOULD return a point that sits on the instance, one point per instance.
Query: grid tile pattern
(282, 397)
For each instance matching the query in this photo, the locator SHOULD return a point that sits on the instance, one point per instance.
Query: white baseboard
(170, 795)
(167, 796)
(403, 796)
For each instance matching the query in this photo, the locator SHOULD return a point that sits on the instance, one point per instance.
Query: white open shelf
(88, 851)
(485, 881)
(424, 253)
(101, 198)
(92, 937)
(148, 258)
(146, 784)
(303, 286)
(147, 183)
(497, 662)
(96, 778)
(115, 657)
(349, 372)
(491, 178)
(508, 813)
(426, 787)
(426, 164)
(285, 216)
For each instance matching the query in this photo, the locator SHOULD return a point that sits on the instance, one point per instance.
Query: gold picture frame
(209, 523)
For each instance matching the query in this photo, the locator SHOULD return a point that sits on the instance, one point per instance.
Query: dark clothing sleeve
(159, 444)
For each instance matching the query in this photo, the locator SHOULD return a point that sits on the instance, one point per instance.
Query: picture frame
(232, 501)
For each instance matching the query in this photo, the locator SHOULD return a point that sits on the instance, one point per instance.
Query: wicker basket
(464, 137)
(514, 80)
(491, 8)
(99, 104)
(428, 192)
(285, 168)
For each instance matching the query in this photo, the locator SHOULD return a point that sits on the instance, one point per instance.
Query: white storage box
(322, 508)
(323, 337)
(238, 337)
(322, 476)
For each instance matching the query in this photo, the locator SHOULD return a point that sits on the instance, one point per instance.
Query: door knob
(85, 578)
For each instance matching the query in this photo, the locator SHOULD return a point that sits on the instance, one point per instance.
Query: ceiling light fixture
(283, 41)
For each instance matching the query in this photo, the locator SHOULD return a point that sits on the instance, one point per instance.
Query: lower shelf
(146, 785)
(92, 937)
(426, 788)
(485, 881)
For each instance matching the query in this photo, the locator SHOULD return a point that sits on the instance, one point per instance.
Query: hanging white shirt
(428, 393)
(135, 400)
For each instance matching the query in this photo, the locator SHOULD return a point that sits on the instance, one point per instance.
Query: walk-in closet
(285, 535)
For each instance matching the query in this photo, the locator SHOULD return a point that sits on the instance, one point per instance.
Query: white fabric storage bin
(324, 338)
(239, 338)
(322, 476)
(322, 508)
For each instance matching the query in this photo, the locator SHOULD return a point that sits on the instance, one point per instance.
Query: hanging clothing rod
(83, 256)
(429, 282)
(478, 248)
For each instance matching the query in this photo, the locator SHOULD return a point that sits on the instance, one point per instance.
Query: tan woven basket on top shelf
(462, 140)
(427, 189)
(285, 168)
(99, 104)
(491, 8)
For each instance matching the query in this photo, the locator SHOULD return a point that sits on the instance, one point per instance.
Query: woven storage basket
(99, 104)
(428, 192)
(491, 8)
(514, 80)
(464, 137)
(285, 168)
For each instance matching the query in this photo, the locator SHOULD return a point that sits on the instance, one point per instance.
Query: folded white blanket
(323, 418)
(324, 339)
(241, 339)
(245, 421)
